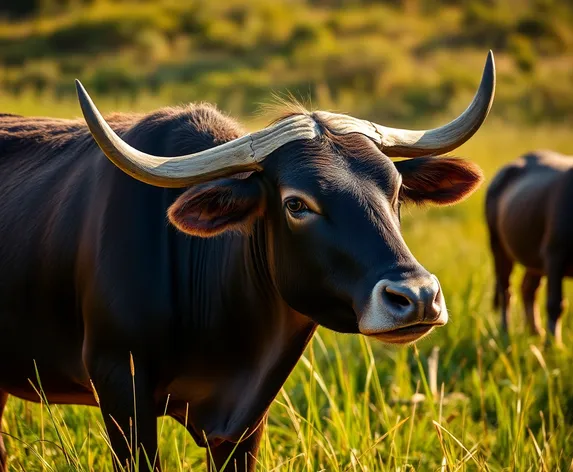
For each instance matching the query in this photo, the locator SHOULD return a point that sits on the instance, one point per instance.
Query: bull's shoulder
(168, 131)
(180, 130)
(21, 133)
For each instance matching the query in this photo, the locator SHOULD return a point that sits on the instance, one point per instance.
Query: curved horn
(407, 143)
(240, 155)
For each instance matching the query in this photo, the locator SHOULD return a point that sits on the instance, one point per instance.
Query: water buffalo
(527, 217)
(205, 272)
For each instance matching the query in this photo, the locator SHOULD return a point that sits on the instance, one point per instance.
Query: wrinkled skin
(527, 209)
(216, 308)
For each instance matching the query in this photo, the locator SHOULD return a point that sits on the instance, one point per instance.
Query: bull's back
(44, 190)
(71, 227)
(44, 187)
(519, 204)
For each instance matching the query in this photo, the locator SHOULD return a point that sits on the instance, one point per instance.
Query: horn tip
(79, 86)
(490, 62)
(489, 79)
(490, 65)
(82, 93)
(86, 105)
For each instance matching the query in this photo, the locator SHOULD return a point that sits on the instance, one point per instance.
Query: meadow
(468, 397)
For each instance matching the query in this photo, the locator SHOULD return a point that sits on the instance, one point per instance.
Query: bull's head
(323, 191)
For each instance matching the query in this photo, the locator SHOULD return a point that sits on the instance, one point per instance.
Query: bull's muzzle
(402, 311)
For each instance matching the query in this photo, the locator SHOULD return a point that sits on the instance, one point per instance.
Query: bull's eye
(295, 206)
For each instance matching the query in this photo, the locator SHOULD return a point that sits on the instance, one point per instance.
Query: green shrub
(488, 23)
(114, 80)
(544, 31)
(523, 52)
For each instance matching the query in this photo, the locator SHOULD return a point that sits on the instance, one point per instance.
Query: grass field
(490, 402)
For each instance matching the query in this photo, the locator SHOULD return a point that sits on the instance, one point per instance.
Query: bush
(488, 25)
(523, 52)
(114, 80)
(544, 32)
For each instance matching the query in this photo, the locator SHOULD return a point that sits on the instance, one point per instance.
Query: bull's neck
(240, 340)
(233, 298)
(244, 276)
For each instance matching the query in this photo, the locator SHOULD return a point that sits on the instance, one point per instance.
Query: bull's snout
(403, 310)
(410, 302)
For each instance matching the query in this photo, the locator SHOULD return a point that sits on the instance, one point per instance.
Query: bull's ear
(227, 204)
(438, 180)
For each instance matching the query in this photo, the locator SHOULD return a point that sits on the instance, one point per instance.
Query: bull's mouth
(406, 334)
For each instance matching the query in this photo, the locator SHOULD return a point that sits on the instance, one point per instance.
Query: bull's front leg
(241, 457)
(125, 395)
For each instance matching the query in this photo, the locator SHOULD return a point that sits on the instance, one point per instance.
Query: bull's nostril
(410, 300)
(396, 298)
(438, 295)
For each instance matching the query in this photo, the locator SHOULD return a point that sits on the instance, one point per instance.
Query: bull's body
(90, 269)
(528, 207)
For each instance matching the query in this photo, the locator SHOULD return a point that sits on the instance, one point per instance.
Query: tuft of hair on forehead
(282, 107)
(353, 144)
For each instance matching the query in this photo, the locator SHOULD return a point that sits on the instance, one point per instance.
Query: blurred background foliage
(395, 60)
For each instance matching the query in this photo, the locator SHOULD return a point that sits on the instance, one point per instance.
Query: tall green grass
(468, 398)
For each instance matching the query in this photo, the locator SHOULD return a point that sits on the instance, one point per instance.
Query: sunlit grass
(467, 398)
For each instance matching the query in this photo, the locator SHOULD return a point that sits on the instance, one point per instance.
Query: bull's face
(330, 212)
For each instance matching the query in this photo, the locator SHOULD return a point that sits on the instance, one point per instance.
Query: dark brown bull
(528, 216)
(217, 307)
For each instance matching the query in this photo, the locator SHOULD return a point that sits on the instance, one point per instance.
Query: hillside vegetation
(393, 60)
